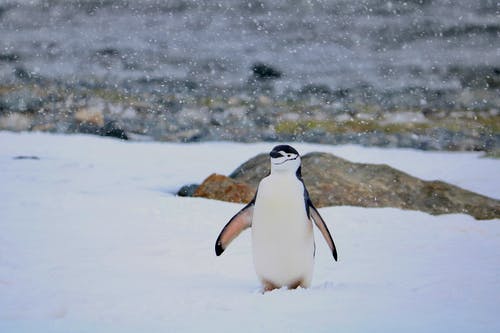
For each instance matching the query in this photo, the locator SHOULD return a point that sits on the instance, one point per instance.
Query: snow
(93, 239)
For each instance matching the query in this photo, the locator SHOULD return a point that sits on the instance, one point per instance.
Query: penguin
(281, 217)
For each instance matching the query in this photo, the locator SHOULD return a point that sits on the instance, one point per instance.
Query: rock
(224, 188)
(15, 122)
(91, 116)
(189, 135)
(333, 181)
(21, 100)
(237, 113)
(187, 190)
(107, 52)
(44, 127)
(85, 128)
(234, 101)
(264, 100)
(112, 129)
(265, 72)
(91, 121)
(23, 74)
(10, 57)
(253, 170)
(188, 116)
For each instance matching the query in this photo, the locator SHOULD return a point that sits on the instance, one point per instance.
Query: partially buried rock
(262, 71)
(188, 190)
(90, 116)
(112, 129)
(333, 181)
(15, 122)
(91, 121)
(224, 188)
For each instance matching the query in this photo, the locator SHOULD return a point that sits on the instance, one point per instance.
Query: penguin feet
(296, 284)
(269, 286)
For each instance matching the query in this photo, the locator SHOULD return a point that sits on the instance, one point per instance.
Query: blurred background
(418, 73)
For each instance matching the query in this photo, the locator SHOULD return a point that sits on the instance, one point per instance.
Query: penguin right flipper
(313, 213)
(320, 223)
(239, 222)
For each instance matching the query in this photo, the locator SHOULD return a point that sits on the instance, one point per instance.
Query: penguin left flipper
(239, 222)
(320, 223)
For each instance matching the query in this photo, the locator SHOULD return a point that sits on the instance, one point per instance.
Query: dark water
(387, 45)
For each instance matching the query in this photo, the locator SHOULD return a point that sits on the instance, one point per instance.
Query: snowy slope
(93, 240)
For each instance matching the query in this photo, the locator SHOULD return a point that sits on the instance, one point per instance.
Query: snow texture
(92, 239)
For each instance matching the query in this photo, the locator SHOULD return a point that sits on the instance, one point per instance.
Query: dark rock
(9, 57)
(112, 129)
(333, 181)
(108, 52)
(493, 79)
(4, 8)
(342, 93)
(23, 74)
(187, 190)
(265, 72)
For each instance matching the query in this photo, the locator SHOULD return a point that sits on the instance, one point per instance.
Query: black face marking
(284, 148)
(275, 154)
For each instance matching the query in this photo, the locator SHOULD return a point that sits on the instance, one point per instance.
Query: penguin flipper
(320, 223)
(239, 222)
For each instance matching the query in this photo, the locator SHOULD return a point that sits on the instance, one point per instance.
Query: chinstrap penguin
(281, 215)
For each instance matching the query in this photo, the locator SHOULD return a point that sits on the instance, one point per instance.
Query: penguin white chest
(282, 236)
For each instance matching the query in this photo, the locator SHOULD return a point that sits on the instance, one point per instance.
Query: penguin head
(284, 158)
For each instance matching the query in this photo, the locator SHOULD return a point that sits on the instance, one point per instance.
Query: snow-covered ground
(92, 239)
